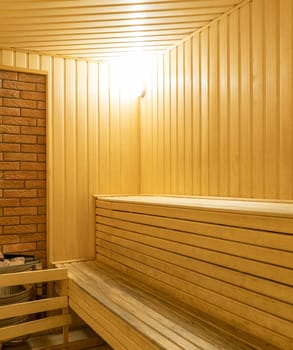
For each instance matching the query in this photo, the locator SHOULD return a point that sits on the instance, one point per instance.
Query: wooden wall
(92, 146)
(217, 117)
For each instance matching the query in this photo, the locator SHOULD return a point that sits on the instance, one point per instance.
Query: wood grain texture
(129, 314)
(105, 30)
(84, 157)
(241, 75)
(230, 259)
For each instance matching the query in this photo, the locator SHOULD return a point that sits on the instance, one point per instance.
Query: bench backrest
(234, 265)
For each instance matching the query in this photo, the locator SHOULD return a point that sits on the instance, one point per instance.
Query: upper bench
(232, 259)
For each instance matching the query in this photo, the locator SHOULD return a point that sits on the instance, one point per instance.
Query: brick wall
(23, 163)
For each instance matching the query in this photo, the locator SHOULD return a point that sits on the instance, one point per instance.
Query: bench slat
(262, 221)
(251, 266)
(143, 312)
(232, 259)
(208, 285)
(273, 240)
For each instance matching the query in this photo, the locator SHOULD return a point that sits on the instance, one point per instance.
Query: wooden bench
(188, 273)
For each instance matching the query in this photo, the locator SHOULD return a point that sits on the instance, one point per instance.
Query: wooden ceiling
(103, 29)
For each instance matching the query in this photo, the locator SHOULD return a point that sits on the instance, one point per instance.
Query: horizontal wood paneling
(239, 273)
(92, 145)
(103, 30)
(234, 137)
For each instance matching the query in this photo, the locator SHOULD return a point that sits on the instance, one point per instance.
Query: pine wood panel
(241, 136)
(84, 156)
(236, 271)
(104, 30)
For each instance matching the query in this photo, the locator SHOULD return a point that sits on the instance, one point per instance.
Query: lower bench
(129, 315)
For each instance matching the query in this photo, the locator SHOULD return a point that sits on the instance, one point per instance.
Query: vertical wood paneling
(188, 162)
(240, 70)
(83, 156)
(181, 120)
(204, 112)
(21, 59)
(196, 114)
(223, 109)
(173, 122)
(70, 232)
(245, 102)
(258, 106)
(154, 130)
(271, 13)
(161, 120)
(213, 111)
(167, 126)
(234, 105)
(57, 137)
(104, 134)
(286, 101)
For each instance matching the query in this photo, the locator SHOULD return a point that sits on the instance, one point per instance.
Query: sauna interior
(146, 163)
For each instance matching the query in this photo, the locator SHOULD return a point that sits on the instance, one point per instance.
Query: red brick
(33, 237)
(11, 184)
(9, 93)
(31, 130)
(42, 211)
(19, 229)
(41, 105)
(14, 102)
(29, 95)
(33, 202)
(7, 84)
(30, 219)
(20, 211)
(41, 140)
(9, 129)
(9, 202)
(41, 157)
(32, 166)
(35, 184)
(19, 121)
(33, 113)
(9, 147)
(32, 78)
(33, 148)
(41, 122)
(41, 87)
(42, 227)
(8, 75)
(30, 139)
(21, 156)
(10, 111)
(41, 192)
(41, 245)
(9, 220)
(9, 239)
(20, 175)
(41, 175)
(9, 166)
(19, 247)
(20, 193)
